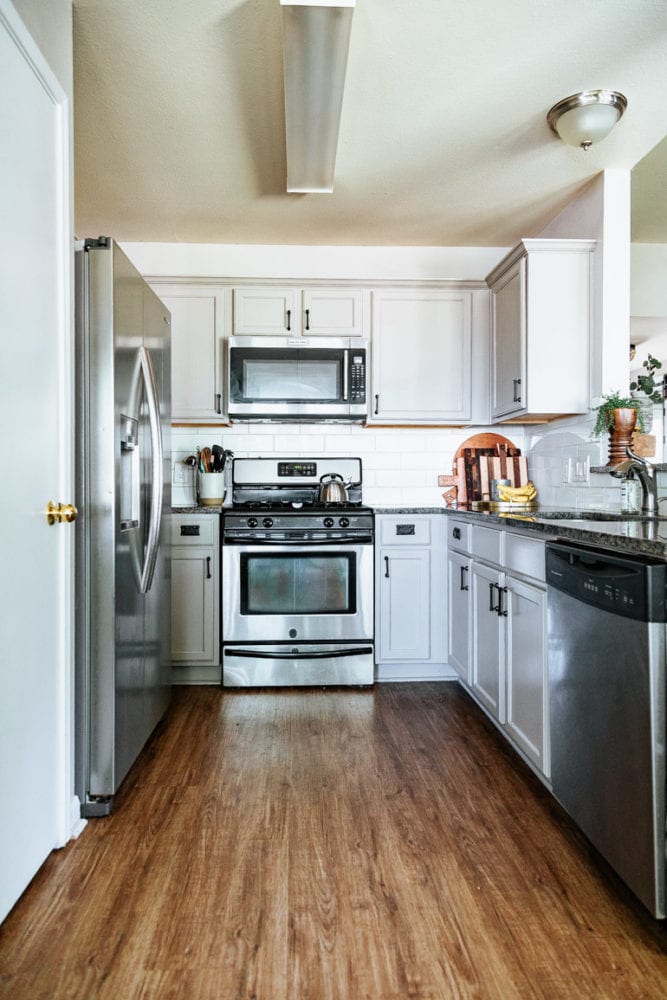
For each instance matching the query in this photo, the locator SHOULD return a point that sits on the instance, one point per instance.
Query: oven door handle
(314, 655)
(301, 542)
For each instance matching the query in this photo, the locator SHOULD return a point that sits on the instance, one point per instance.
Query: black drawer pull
(457, 534)
(189, 529)
(405, 529)
(386, 566)
(208, 567)
(464, 586)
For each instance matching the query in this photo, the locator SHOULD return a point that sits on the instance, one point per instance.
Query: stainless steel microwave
(297, 378)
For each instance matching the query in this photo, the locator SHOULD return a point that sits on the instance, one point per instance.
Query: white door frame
(68, 820)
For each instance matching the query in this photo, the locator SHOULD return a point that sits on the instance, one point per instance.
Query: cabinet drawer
(458, 535)
(487, 544)
(196, 530)
(525, 555)
(408, 530)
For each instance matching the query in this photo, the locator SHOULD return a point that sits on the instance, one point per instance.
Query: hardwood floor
(329, 845)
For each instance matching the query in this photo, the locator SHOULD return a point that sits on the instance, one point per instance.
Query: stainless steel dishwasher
(606, 641)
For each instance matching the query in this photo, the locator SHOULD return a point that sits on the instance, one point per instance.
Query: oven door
(313, 592)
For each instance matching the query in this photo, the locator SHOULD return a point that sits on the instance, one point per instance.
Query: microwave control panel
(358, 377)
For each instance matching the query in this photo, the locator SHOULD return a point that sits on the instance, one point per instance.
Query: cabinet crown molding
(531, 246)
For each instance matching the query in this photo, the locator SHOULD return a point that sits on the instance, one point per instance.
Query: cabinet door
(487, 667)
(268, 310)
(332, 312)
(421, 357)
(526, 670)
(194, 619)
(404, 598)
(508, 341)
(196, 356)
(458, 596)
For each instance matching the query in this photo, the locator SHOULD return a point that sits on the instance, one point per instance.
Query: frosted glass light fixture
(582, 119)
(316, 38)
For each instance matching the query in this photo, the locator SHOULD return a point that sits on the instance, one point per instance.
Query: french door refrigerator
(123, 568)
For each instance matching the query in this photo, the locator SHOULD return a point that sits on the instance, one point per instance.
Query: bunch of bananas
(517, 494)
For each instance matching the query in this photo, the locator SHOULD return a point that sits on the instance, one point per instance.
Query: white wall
(401, 465)
(50, 24)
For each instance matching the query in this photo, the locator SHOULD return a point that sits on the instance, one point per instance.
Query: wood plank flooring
(329, 845)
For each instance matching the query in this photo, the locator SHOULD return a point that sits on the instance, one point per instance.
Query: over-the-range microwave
(297, 378)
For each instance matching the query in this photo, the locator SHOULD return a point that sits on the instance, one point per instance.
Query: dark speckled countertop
(606, 529)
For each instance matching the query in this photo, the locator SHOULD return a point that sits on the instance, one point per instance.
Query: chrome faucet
(635, 465)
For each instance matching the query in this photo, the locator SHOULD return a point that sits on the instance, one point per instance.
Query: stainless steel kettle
(332, 488)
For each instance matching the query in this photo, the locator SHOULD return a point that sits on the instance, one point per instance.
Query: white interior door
(36, 575)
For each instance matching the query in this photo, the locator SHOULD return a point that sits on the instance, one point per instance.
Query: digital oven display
(297, 470)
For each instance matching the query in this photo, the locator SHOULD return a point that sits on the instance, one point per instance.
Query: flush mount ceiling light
(588, 117)
(316, 38)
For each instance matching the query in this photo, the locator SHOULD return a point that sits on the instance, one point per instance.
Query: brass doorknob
(57, 513)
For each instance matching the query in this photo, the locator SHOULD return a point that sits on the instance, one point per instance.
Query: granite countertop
(607, 529)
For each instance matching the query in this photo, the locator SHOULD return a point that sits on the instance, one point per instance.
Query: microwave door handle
(346, 374)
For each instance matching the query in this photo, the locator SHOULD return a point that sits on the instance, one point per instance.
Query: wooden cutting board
(487, 441)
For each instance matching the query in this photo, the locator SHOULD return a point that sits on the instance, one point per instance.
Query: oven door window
(318, 583)
(292, 376)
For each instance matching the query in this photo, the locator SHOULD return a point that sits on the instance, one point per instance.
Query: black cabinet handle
(464, 586)
(516, 382)
(492, 606)
(501, 591)
(307, 319)
(377, 403)
(289, 319)
(457, 533)
(386, 566)
(218, 406)
(208, 567)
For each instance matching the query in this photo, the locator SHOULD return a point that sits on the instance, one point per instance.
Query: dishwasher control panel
(630, 586)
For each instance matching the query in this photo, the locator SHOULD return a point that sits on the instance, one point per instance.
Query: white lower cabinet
(195, 590)
(525, 671)
(409, 591)
(500, 623)
(487, 664)
(458, 613)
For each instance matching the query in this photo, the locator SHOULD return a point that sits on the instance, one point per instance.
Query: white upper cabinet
(333, 312)
(540, 330)
(421, 355)
(197, 356)
(292, 311)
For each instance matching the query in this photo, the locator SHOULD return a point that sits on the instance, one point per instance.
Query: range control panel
(297, 469)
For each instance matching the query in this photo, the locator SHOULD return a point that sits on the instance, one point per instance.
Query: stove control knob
(328, 522)
(268, 522)
(344, 522)
(252, 522)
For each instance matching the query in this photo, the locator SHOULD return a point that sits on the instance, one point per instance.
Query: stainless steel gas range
(297, 576)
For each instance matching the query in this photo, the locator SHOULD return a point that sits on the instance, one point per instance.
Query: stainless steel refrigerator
(123, 569)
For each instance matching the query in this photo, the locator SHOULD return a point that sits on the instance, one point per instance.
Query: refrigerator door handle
(156, 471)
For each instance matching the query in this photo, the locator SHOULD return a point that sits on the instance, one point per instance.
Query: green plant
(605, 412)
(646, 383)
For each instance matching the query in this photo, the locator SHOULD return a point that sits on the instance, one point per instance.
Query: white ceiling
(179, 121)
